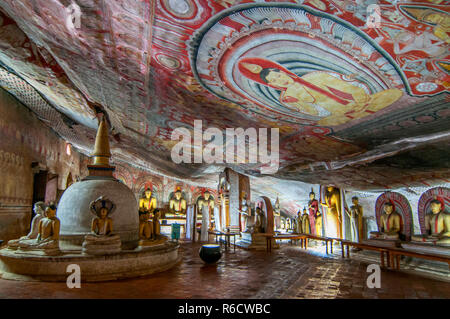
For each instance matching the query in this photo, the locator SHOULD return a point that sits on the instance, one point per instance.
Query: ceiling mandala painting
(358, 105)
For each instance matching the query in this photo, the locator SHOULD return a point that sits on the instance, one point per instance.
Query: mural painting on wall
(400, 205)
(304, 69)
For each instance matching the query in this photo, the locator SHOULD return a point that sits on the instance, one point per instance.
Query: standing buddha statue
(315, 216)
(306, 228)
(334, 215)
(356, 220)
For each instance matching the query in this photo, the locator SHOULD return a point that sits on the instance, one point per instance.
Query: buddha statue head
(39, 208)
(330, 189)
(355, 200)
(50, 211)
(312, 195)
(435, 206)
(388, 208)
(206, 195)
(178, 195)
(304, 210)
(148, 193)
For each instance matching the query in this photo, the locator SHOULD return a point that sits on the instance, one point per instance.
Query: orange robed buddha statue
(145, 226)
(306, 228)
(437, 225)
(390, 224)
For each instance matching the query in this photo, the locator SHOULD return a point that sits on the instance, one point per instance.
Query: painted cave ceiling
(358, 105)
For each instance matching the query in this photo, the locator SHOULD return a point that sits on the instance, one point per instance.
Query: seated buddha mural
(437, 225)
(330, 95)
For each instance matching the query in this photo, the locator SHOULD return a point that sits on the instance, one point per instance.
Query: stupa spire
(102, 153)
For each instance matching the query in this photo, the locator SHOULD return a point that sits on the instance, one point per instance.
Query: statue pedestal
(145, 243)
(427, 248)
(101, 245)
(256, 241)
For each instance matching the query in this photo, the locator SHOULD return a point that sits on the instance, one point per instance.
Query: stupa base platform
(34, 266)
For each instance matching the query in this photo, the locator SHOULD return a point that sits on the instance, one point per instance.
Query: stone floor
(289, 272)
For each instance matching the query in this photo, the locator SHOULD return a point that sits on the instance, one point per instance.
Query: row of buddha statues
(177, 202)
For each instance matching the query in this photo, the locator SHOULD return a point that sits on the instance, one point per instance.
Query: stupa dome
(76, 216)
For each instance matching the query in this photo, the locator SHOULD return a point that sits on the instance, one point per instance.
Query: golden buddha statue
(101, 240)
(390, 224)
(177, 203)
(38, 209)
(334, 215)
(147, 203)
(156, 224)
(206, 200)
(298, 223)
(356, 220)
(145, 226)
(47, 239)
(437, 225)
(306, 228)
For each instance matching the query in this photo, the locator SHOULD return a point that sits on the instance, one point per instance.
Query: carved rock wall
(25, 140)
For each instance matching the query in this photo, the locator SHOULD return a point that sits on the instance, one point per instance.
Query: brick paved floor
(289, 272)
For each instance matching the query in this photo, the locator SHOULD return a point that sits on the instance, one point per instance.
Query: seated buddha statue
(390, 224)
(38, 209)
(147, 203)
(47, 239)
(177, 204)
(156, 224)
(145, 226)
(306, 228)
(437, 225)
(101, 240)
